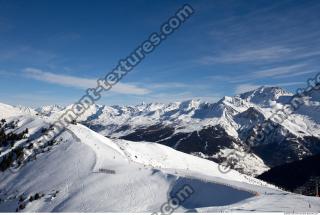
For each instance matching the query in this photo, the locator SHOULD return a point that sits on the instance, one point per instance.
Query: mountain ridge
(83, 171)
(211, 130)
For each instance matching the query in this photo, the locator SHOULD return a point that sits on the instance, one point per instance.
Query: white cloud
(297, 73)
(290, 84)
(242, 88)
(278, 71)
(253, 55)
(273, 72)
(259, 55)
(168, 85)
(26, 54)
(82, 83)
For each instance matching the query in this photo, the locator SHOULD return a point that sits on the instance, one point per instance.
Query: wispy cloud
(283, 31)
(253, 55)
(298, 73)
(290, 84)
(242, 88)
(271, 73)
(169, 85)
(278, 71)
(82, 83)
(26, 54)
(196, 85)
(259, 55)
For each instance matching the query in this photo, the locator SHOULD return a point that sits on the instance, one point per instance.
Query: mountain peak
(190, 104)
(264, 95)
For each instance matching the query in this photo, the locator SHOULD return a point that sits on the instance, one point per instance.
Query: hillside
(299, 176)
(214, 130)
(84, 171)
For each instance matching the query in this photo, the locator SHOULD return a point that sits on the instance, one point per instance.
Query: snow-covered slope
(49, 110)
(87, 172)
(213, 130)
(193, 115)
(9, 111)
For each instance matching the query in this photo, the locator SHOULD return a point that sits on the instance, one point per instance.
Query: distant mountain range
(213, 130)
(83, 171)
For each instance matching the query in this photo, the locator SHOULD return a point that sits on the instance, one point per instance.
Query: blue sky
(225, 48)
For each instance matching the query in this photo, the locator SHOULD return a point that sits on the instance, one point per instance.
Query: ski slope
(214, 130)
(87, 172)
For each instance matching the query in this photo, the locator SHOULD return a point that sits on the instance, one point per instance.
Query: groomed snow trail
(95, 174)
(105, 149)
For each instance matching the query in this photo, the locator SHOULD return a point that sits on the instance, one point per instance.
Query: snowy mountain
(49, 110)
(83, 171)
(214, 130)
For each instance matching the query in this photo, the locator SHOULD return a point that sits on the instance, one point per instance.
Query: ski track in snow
(145, 174)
